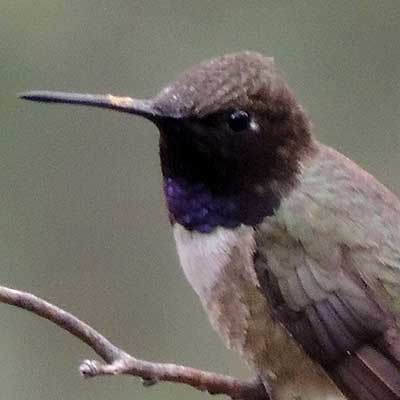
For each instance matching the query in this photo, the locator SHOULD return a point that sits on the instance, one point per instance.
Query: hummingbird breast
(213, 264)
(220, 268)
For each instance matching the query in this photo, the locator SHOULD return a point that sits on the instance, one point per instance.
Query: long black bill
(143, 108)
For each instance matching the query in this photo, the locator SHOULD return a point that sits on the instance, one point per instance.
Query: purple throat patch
(195, 207)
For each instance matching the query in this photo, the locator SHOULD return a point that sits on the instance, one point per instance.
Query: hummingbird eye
(238, 120)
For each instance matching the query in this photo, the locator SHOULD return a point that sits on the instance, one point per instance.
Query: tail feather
(354, 340)
(368, 374)
(389, 345)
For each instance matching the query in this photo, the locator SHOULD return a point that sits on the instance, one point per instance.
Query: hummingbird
(292, 248)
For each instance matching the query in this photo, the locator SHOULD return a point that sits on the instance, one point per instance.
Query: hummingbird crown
(237, 80)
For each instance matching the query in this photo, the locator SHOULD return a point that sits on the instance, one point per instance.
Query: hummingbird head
(232, 138)
(238, 117)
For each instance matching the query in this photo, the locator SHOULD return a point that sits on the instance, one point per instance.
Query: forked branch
(119, 362)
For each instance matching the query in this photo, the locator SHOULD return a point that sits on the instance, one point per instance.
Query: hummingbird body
(220, 268)
(249, 277)
(293, 250)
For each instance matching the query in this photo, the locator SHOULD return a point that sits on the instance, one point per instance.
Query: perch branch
(119, 362)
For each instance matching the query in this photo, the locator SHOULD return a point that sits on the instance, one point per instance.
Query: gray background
(82, 219)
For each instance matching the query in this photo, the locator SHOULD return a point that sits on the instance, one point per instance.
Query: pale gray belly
(220, 268)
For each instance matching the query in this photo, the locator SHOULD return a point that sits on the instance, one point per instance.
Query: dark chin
(213, 180)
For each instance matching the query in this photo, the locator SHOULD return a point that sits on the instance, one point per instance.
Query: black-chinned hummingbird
(293, 249)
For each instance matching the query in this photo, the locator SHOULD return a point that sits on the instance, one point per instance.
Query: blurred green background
(82, 219)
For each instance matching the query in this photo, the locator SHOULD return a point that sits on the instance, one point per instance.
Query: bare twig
(119, 362)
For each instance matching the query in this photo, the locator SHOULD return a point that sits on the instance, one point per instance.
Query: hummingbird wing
(329, 266)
